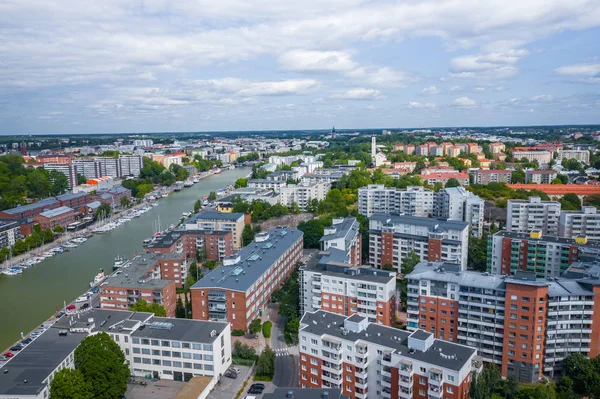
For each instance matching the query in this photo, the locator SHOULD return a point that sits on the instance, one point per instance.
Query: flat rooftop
(29, 207)
(254, 260)
(166, 240)
(50, 213)
(431, 223)
(134, 273)
(213, 216)
(183, 330)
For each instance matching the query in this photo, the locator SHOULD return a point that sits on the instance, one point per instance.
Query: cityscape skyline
(161, 66)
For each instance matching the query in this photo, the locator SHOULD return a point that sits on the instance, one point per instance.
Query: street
(286, 357)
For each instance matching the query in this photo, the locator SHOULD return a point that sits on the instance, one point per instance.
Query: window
(166, 363)
(208, 347)
(176, 354)
(137, 360)
(146, 360)
(155, 342)
(135, 340)
(155, 352)
(165, 343)
(450, 378)
(166, 353)
(197, 347)
(197, 366)
(187, 365)
(314, 361)
(208, 367)
(197, 356)
(136, 350)
(208, 357)
(145, 351)
(185, 345)
(449, 389)
(187, 355)
(176, 344)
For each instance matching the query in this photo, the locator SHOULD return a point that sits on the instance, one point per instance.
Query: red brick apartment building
(150, 277)
(525, 325)
(62, 216)
(217, 244)
(368, 361)
(77, 201)
(30, 210)
(240, 289)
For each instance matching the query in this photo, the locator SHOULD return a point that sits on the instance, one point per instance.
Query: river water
(28, 299)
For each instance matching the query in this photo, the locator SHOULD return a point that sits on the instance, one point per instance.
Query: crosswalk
(281, 352)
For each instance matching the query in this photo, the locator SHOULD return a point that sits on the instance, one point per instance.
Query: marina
(30, 297)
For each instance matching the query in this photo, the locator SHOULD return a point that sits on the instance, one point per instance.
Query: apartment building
(392, 237)
(412, 201)
(164, 348)
(366, 360)
(585, 222)
(546, 256)
(131, 165)
(344, 234)
(540, 176)
(90, 168)
(442, 178)
(579, 155)
(526, 325)
(456, 203)
(496, 148)
(152, 277)
(485, 176)
(216, 244)
(523, 216)
(303, 193)
(270, 184)
(10, 231)
(542, 157)
(238, 291)
(224, 221)
(437, 169)
(327, 176)
(77, 201)
(70, 171)
(330, 282)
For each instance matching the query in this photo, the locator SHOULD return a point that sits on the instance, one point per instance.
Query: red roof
(457, 176)
(558, 189)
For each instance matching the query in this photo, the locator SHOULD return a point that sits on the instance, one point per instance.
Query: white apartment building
(392, 237)
(131, 165)
(69, 170)
(154, 347)
(457, 203)
(303, 193)
(343, 234)
(269, 184)
(368, 361)
(579, 155)
(329, 282)
(534, 214)
(540, 176)
(412, 201)
(584, 222)
(143, 143)
(542, 157)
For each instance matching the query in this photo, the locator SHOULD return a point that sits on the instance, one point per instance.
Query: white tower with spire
(373, 148)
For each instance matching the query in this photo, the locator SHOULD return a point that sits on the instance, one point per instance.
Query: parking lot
(229, 387)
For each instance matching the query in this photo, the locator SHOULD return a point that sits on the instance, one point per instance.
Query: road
(286, 357)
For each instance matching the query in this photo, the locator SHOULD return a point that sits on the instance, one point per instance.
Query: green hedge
(266, 329)
(238, 333)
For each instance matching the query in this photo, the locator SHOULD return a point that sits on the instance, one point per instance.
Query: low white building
(303, 193)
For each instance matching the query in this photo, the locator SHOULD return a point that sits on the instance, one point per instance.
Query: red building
(62, 216)
(77, 201)
(30, 210)
(218, 244)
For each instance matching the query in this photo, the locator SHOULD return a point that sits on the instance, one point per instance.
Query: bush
(238, 333)
(265, 366)
(243, 351)
(266, 329)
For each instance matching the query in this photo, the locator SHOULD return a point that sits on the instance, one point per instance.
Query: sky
(78, 66)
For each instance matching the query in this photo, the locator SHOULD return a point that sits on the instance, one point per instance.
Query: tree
(409, 262)
(103, 211)
(241, 182)
(255, 326)
(243, 351)
(142, 306)
(582, 374)
(58, 229)
(570, 202)
(212, 196)
(210, 264)
(102, 364)
(59, 184)
(125, 202)
(247, 235)
(517, 176)
(197, 206)
(388, 267)
(179, 309)
(265, 366)
(81, 179)
(452, 182)
(70, 384)
(294, 208)
(484, 383)
(313, 231)
(477, 254)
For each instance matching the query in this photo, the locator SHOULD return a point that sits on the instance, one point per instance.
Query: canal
(28, 299)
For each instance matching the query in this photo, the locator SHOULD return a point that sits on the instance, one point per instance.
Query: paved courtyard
(163, 389)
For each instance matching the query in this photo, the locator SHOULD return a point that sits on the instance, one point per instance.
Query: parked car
(71, 307)
(9, 354)
(4, 358)
(26, 341)
(85, 306)
(256, 389)
(235, 369)
(16, 348)
(231, 374)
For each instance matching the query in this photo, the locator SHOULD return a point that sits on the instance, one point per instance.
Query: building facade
(344, 235)
(579, 155)
(484, 176)
(524, 216)
(412, 201)
(456, 203)
(393, 237)
(542, 157)
(223, 221)
(584, 222)
(366, 360)
(61, 216)
(540, 176)
(70, 171)
(239, 290)
(10, 231)
(216, 244)
(303, 194)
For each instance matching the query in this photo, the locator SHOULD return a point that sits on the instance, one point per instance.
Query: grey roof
(393, 218)
(255, 259)
(215, 216)
(347, 229)
(549, 239)
(35, 362)
(28, 207)
(305, 393)
(322, 322)
(166, 240)
(183, 330)
(70, 196)
(134, 273)
(334, 262)
(50, 213)
(94, 204)
(266, 181)
(421, 335)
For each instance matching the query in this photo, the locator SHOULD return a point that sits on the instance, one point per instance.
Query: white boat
(188, 183)
(79, 240)
(98, 279)
(11, 272)
(119, 261)
(196, 179)
(186, 214)
(70, 244)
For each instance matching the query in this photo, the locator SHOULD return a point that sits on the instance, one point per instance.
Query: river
(28, 299)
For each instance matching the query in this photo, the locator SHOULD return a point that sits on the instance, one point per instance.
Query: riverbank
(29, 298)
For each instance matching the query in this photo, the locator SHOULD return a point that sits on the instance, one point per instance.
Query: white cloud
(479, 89)
(307, 61)
(499, 88)
(358, 94)
(542, 97)
(579, 70)
(431, 90)
(454, 88)
(418, 105)
(464, 102)
(499, 64)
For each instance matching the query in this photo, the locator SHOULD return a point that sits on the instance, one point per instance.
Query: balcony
(386, 382)
(405, 382)
(361, 373)
(436, 378)
(332, 378)
(405, 393)
(217, 298)
(434, 391)
(386, 393)
(332, 369)
(360, 383)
